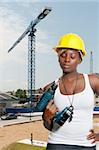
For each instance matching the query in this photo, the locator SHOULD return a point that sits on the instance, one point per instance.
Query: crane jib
(42, 15)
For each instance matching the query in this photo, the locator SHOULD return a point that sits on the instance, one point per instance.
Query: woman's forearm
(48, 124)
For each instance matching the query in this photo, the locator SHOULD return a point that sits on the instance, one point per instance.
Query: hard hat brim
(57, 48)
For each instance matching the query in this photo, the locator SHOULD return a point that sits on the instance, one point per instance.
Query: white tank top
(76, 131)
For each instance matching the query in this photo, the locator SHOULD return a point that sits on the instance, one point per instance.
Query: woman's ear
(79, 60)
(80, 57)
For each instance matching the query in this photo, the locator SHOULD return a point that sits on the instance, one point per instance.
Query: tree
(20, 93)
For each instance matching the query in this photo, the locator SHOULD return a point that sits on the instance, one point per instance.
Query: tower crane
(31, 50)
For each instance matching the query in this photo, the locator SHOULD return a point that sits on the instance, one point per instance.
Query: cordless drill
(65, 114)
(46, 97)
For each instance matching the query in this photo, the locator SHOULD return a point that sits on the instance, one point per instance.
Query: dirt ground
(13, 133)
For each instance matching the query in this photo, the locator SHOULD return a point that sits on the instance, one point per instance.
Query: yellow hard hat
(72, 41)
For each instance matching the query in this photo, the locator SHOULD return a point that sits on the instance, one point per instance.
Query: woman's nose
(67, 58)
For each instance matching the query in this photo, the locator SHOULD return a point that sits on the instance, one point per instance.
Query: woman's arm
(94, 81)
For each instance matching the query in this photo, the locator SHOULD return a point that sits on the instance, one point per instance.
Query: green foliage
(20, 93)
(19, 146)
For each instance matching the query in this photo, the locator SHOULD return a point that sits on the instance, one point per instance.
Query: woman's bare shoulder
(94, 81)
(46, 87)
(94, 76)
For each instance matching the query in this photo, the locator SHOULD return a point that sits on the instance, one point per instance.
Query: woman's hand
(93, 136)
(48, 115)
(50, 111)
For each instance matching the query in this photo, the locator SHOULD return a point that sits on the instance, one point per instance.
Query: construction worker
(75, 90)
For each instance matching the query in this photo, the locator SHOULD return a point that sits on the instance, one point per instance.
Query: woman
(74, 90)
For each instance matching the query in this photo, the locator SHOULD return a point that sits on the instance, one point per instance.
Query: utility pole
(91, 62)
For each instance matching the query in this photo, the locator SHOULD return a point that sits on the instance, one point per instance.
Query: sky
(67, 16)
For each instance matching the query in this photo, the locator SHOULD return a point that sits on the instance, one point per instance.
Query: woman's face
(69, 60)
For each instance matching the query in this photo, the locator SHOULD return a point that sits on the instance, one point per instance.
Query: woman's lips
(66, 66)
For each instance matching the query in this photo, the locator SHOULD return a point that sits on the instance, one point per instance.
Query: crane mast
(31, 50)
(31, 64)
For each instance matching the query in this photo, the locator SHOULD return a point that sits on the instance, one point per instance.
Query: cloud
(10, 28)
(7, 85)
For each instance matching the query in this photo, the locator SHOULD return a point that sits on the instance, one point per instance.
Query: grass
(19, 146)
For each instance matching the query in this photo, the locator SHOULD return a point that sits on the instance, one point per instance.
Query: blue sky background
(78, 16)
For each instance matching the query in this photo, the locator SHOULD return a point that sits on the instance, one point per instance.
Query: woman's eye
(73, 56)
(63, 55)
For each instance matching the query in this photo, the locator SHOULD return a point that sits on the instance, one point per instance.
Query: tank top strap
(87, 83)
